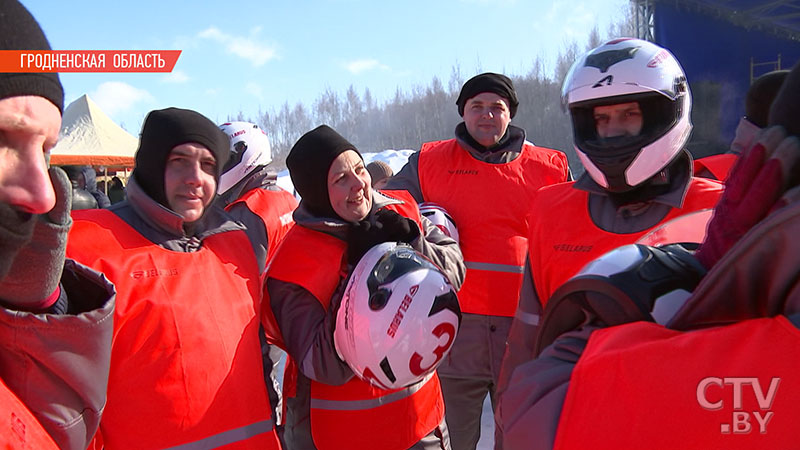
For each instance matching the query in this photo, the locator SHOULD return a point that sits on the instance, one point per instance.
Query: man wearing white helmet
(629, 103)
(248, 190)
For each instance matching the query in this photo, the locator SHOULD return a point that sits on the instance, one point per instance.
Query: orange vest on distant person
(275, 209)
(489, 204)
(718, 165)
(186, 359)
(356, 414)
(640, 385)
(20, 429)
(564, 238)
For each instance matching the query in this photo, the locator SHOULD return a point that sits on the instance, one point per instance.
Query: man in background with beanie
(380, 172)
(55, 314)
(757, 103)
(485, 178)
(186, 360)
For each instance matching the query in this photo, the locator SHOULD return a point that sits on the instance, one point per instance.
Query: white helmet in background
(398, 318)
(439, 217)
(249, 149)
(621, 71)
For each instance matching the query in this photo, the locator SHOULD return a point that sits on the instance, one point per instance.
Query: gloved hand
(752, 190)
(35, 273)
(388, 227)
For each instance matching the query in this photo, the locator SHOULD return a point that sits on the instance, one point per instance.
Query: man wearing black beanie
(186, 332)
(55, 314)
(484, 178)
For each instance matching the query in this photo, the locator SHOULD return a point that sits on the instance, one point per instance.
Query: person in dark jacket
(90, 181)
(81, 198)
(55, 314)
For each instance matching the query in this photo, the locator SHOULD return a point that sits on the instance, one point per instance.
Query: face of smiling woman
(349, 187)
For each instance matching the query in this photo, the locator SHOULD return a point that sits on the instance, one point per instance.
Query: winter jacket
(57, 364)
(186, 327)
(305, 324)
(705, 380)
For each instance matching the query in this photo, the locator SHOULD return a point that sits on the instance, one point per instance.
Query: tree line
(429, 113)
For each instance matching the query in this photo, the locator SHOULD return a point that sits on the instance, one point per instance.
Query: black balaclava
(761, 95)
(785, 109)
(488, 82)
(164, 130)
(20, 31)
(309, 162)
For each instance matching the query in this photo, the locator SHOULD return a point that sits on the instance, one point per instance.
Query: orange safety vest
(489, 204)
(356, 414)
(719, 165)
(564, 238)
(275, 209)
(640, 385)
(185, 360)
(20, 429)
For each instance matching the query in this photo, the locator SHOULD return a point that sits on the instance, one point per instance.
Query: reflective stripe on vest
(355, 405)
(275, 210)
(640, 385)
(489, 204)
(228, 437)
(355, 414)
(564, 241)
(186, 357)
(20, 429)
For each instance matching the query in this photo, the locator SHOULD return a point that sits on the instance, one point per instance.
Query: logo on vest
(571, 248)
(462, 171)
(152, 273)
(713, 393)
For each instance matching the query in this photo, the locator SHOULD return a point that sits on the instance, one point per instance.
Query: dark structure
(722, 45)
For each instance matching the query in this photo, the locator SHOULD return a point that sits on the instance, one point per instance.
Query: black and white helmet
(620, 71)
(250, 148)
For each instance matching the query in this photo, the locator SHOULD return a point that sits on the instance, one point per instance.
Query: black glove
(388, 227)
(35, 273)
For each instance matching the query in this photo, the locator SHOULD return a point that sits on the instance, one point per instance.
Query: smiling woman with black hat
(339, 219)
(186, 344)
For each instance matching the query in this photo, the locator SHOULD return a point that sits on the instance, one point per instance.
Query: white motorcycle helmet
(621, 71)
(398, 318)
(250, 148)
(439, 217)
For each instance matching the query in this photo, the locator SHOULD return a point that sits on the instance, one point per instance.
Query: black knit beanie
(488, 82)
(760, 96)
(310, 160)
(164, 130)
(20, 31)
(785, 110)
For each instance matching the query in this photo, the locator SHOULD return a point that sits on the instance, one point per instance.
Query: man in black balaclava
(55, 314)
(189, 289)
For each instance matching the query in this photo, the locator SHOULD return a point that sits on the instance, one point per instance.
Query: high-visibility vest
(186, 359)
(356, 414)
(489, 204)
(640, 385)
(275, 209)
(564, 238)
(718, 165)
(20, 429)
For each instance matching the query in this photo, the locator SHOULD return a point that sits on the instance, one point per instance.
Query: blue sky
(242, 55)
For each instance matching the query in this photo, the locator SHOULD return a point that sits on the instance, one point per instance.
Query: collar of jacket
(336, 226)
(506, 150)
(678, 180)
(167, 222)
